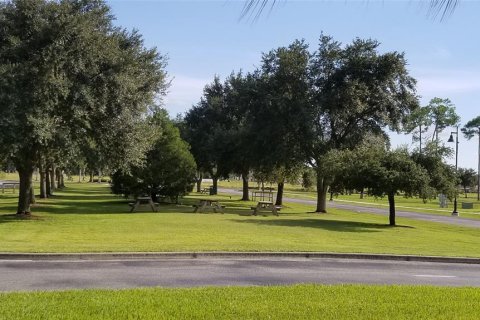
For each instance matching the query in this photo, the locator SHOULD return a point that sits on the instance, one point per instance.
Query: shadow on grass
(6, 218)
(331, 225)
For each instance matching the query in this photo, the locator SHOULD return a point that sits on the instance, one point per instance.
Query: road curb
(232, 255)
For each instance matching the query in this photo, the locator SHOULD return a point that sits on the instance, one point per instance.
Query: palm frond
(254, 8)
(442, 8)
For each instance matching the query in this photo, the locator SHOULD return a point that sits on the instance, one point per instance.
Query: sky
(207, 38)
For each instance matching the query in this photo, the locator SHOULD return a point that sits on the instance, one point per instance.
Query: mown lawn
(414, 204)
(87, 218)
(275, 302)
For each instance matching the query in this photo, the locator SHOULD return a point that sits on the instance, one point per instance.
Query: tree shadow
(12, 217)
(330, 225)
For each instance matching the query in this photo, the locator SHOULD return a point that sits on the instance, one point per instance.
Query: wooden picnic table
(204, 204)
(266, 206)
(262, 195)
(5, 184)
(143, 201)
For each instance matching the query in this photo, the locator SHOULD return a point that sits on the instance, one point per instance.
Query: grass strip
(273, 302)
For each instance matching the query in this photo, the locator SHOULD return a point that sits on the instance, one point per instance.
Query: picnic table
(205, 204)
(266, 206)
(5, 184)
(143, 201)
(262, 195)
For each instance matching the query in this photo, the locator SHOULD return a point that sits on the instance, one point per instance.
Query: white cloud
(183, 93)
(443, 82)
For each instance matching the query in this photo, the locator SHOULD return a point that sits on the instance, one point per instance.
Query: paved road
(459, 221)
(19, 275)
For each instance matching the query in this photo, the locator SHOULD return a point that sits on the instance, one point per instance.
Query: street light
(455, 212)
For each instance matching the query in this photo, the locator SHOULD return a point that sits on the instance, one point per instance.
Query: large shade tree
(66, 73)
(385, 173)
(205, 128)
(279, 122)
(356, 92)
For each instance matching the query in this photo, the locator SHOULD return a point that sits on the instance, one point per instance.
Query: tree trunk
(32, 192)
(153, 195)
(53, 179)
(391, 203)
(199, 182)
(43, 186)
(215, 184)
(280, 193)
(60, 178)
(465, 190)
(91, 176)
(79, 175)
(331, 195)
(47, 183)
(322, 190)
(361, 194)
(245, 193)
(25, 196)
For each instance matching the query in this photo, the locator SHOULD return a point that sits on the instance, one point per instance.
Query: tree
(443, 178)
(243, 95)
(205, 126)
(418, 123)
(66, 73)
(467, 179)
(278, 122)
(385, 173)
(471, 129)
(442, 114)
(356, 92)
(169, 167)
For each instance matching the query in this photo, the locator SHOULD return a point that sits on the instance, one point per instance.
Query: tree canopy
(68, 78)
(169, 167)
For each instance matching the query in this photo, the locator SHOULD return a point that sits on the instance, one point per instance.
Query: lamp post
(455, 212)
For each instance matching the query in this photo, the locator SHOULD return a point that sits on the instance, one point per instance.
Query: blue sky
(204, 38)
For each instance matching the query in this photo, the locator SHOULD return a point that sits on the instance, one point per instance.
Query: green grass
(402, 203)
(274, 302)
(86, 218)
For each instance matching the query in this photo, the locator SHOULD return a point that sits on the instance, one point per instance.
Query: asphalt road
(448, 219)
(20, 275)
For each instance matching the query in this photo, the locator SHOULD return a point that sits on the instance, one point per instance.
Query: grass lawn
(86, 218)
(402, 203)
(274, 302)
